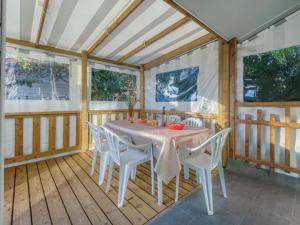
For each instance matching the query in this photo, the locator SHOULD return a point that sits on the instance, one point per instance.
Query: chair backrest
(114, 142)
(173, 118)
(193, 122)
(98, 135)
(217, 142)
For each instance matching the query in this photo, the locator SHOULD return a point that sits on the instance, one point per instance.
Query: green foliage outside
(112, 86)
(272, 76)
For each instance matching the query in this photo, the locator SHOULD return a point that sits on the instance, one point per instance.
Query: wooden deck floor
(61, 191)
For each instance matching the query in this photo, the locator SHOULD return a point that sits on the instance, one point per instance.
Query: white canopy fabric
(76, 24)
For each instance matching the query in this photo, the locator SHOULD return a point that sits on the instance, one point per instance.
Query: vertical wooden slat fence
(273, 123)
(36, 134)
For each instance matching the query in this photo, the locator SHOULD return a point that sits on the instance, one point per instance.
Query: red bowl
(176, 126)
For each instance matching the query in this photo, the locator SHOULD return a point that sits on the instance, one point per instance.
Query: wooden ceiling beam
(154, 39)
(196, 20)
(42, 21)
(66, 52)
(181, 50)
(115, 24)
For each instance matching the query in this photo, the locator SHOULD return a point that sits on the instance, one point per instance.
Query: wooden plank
(18, 136)
(36, 146)
(128, 210)
(84, 101)
(42, 21)
(56, 207)
(39, 209)
(39, 114)
(115, 24)
(155, 38)
(247, 138)
(108, 117)
(78, 131)
(99, 119)
(287, 148)
(66, 131)
(179, 51)
(258, 137)
(112, 62)
(93, 211)
(232, 95)
(9, 184)
(272, 142)
(52, 133)
(268, 104)
(73, 207)
(196, 20)
(21, 214)
(269, 123)
(108, 207)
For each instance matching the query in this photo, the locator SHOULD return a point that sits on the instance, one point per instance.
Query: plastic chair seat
(201, 161)
(133, 156)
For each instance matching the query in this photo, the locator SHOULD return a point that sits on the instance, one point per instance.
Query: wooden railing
(99, 117)
(273, 123)
(36, 117)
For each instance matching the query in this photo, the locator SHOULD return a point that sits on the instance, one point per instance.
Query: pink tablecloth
(168, 164)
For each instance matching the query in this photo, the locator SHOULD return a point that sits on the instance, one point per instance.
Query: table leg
(159, 190)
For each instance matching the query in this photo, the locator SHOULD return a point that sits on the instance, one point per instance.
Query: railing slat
(66, 130)
(52, 133)
(272, 142)
(247, 137)
(36, 147)
(287, 148)
(258, 133)
(18, 136)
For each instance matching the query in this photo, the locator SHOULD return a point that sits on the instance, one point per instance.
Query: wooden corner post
(84, 102)
(142, 87)
(223, 111)
(232, 95)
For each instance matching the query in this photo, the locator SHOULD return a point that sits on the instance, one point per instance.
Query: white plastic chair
(127, 160)
(173, 118)
(193, 122)
(205, 163)
(189, 122)
(101, 147)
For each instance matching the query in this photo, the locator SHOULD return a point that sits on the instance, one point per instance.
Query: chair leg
(104, 161)
(177, 188)
(210, 190)
(152, 174)
(133, 173)
(222, 180)
(110, 172)
(206, 187)
(123, 182)
(94, 161)
(186, 171)
(159, 191)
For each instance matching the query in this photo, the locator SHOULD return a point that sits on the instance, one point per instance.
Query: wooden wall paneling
(272, 142)
(287, 139)
(19, 136)
(259, 133)
(247, 137)
(36, 142)
(52, 133)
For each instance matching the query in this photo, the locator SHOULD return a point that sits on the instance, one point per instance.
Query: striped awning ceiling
(80, 24)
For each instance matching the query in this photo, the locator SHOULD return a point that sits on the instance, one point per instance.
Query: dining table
(167, 143)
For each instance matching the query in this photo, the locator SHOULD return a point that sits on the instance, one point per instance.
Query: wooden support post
(287, 139)
(232, 95)
(66, 135)
(84, 103)
(18, 136)
(272, 142)
(52, 133)
(223, 111)
(36, 142)
(258, 133)
(142, 88)
(247, 137)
